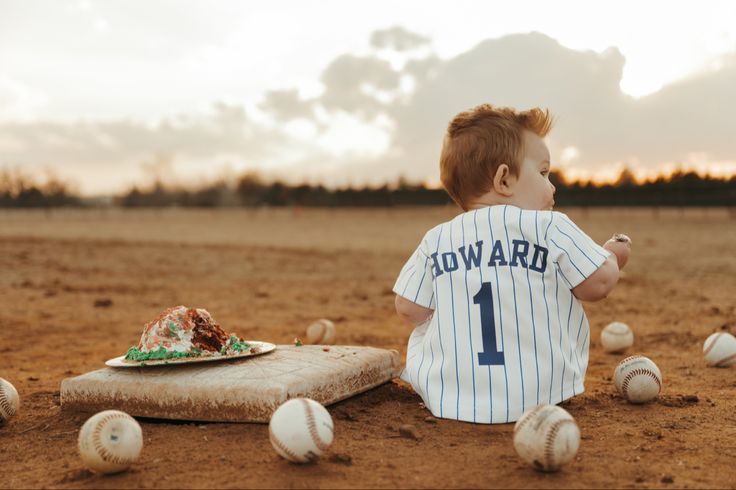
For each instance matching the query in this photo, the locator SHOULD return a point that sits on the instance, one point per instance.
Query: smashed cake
(185, 332)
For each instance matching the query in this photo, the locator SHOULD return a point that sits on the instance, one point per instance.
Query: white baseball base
(616, 337)
(110, 441)
(9, 400)
(719, 349)
(546, 437)
(301, 430)
(321, 332)
(638, 379)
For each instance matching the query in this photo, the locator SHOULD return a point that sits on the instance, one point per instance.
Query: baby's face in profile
(533, 190)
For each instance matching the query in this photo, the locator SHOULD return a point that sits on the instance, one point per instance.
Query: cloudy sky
(108, 94)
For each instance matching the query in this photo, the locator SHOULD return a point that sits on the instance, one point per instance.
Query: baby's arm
(412, 312)
(599, 285)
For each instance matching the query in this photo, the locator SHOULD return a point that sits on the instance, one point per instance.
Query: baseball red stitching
(549, 444)
(712, 344)
(629, 359)
(636, 372)
(622, 365)
(8, 408)
(106, 455)
(526, 420)
(312, 424)
(725, 360)
(276, 442)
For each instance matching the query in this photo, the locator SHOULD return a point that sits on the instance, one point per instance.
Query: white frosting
(176, 339)
(185, 341)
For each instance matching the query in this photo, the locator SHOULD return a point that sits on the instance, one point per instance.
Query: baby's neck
(488, 200)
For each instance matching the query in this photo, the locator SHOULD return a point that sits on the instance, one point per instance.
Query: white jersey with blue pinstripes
(507, 334)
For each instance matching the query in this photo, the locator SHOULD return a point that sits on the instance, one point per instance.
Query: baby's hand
(620, 245)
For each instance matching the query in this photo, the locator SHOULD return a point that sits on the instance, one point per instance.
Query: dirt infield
(76, 288)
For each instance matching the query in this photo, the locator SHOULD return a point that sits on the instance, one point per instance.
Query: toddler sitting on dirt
(495, 292)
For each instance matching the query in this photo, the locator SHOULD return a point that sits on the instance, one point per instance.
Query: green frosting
(236, 345)
(135, 355)
(161, 353)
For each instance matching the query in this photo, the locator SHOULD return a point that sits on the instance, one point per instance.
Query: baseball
(110, 441)
(321, 332)
(638, 379)
(9, 400)
(616, 337)
(719, 349)
(546, 437)
(300, 430)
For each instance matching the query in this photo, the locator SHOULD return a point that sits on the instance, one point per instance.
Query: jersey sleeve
(415, 281)
(576, 255)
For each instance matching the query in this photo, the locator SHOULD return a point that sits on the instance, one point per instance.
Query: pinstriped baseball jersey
(506, 334)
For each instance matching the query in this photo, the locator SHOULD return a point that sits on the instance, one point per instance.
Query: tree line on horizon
(681, 189)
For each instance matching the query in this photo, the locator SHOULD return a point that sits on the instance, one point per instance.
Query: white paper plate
(257, 348)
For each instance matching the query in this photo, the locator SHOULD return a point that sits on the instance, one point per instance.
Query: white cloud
(168, 56)
(84, 5)
(18, 101)
(102, 25)
(12, 145)
(368, 120)
(349, 136)
(568, 155)
(105, 156)
(397, 38)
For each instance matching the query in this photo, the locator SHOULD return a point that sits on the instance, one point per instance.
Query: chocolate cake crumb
(207, 335)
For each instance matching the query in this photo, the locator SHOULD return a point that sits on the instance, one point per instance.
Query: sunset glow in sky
(108, 94)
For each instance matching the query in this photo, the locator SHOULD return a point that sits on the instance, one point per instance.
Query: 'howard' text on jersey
(472, 256)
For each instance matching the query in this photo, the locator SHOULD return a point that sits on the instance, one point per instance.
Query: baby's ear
(504, 180)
